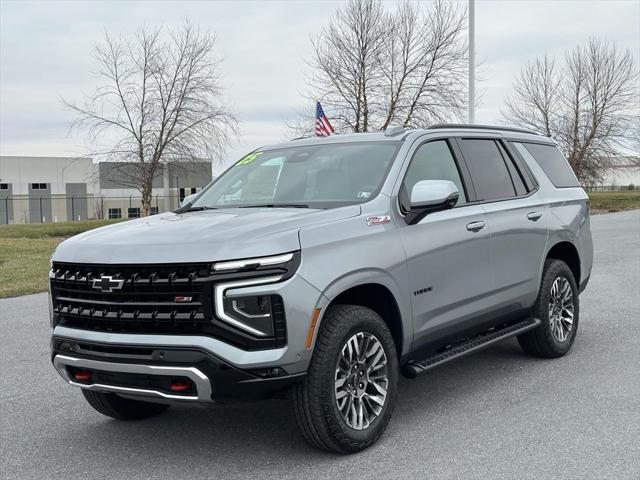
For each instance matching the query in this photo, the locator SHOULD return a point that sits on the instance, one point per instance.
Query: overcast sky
(46, 47)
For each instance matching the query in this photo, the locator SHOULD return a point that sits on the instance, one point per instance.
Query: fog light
(180, 385)
(82, 375)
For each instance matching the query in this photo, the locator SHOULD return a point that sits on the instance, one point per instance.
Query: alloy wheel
(361, 380)
(561, 309)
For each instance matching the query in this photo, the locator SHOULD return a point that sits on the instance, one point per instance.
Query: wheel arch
(568, 253)
(381, 300)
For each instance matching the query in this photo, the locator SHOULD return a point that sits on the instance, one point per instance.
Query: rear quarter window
(553, 163)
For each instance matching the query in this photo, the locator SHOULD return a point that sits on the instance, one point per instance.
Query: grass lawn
(25, 251)
(614, 201)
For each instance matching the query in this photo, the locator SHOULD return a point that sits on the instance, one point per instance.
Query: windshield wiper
(276, 205)
(187, 207)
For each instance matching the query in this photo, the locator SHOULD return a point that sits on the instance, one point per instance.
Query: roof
(399, 134)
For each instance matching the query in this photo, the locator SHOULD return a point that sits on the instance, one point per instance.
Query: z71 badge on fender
(379, 220)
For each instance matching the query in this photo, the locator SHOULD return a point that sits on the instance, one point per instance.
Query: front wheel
(345, 403)
(558, 309)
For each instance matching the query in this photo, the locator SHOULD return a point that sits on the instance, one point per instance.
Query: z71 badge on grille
(107, 284)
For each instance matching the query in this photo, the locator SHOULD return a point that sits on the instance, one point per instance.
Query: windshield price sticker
(249, 158)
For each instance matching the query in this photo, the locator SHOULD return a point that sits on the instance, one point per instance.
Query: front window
(318, 176)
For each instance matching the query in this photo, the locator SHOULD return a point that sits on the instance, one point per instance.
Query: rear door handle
(475, 226)
(533, 216)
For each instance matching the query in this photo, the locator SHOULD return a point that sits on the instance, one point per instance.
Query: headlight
(51, 275)
(252, 311)
(253, 262)
(253, 314)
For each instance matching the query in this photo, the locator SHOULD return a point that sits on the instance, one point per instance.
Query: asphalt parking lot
(497, 414)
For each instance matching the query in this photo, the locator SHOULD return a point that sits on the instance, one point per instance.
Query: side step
(413, 368)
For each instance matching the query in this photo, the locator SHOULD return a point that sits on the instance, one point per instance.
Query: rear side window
(552, 162)
(488, 169)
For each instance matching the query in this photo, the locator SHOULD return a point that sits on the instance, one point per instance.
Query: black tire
(541, 342)
(314, 399)
(114, 406)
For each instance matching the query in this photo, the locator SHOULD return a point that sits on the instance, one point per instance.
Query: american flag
(323, 127)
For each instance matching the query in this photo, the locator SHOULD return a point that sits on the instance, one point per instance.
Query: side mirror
(429, 196)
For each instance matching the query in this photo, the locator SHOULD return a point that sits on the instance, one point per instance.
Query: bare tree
(589, 106)
(425, 65)
(536, 96)
(161, 100)
(372, 68)
(345, 64)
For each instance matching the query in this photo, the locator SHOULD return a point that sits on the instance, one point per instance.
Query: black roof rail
(481, 127)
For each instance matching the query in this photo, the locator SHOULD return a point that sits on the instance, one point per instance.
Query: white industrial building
(54, 189)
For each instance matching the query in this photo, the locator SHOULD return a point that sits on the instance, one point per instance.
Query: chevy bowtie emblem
(107, 284)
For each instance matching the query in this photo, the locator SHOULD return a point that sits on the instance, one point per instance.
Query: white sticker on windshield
(364, 194)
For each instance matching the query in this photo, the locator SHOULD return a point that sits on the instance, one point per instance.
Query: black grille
(167, 299)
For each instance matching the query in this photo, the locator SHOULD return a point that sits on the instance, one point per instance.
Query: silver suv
(321, 269)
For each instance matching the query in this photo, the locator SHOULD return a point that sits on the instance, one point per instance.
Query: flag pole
(472, 65)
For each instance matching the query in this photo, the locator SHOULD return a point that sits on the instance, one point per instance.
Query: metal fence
(612, 188)
(61, 208)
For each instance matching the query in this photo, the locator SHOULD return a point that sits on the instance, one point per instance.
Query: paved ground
(498, 414)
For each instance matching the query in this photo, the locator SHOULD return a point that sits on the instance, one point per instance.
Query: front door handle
(533, 216)
(475, 226)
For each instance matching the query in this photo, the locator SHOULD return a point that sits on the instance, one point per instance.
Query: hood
(205, 236)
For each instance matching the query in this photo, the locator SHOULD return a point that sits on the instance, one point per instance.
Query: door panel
(517, 220)
(449, 271)
(518, 242)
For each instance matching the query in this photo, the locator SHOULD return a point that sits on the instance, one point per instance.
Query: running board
(413, 368)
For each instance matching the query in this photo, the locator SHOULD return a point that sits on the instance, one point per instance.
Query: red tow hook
(82, 375)
(180, 385)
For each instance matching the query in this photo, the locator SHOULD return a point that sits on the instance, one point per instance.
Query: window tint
(552, 162)
(488, 169)
(433, 161)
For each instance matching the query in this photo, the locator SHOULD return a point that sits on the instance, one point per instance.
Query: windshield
(319, 176)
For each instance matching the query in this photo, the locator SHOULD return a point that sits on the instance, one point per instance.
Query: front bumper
(143, 372)
(202, 385)
(231, 373)
(301, 298)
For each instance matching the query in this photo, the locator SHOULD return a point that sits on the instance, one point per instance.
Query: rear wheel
(345, 403)
(112, 405)
(558, 309)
